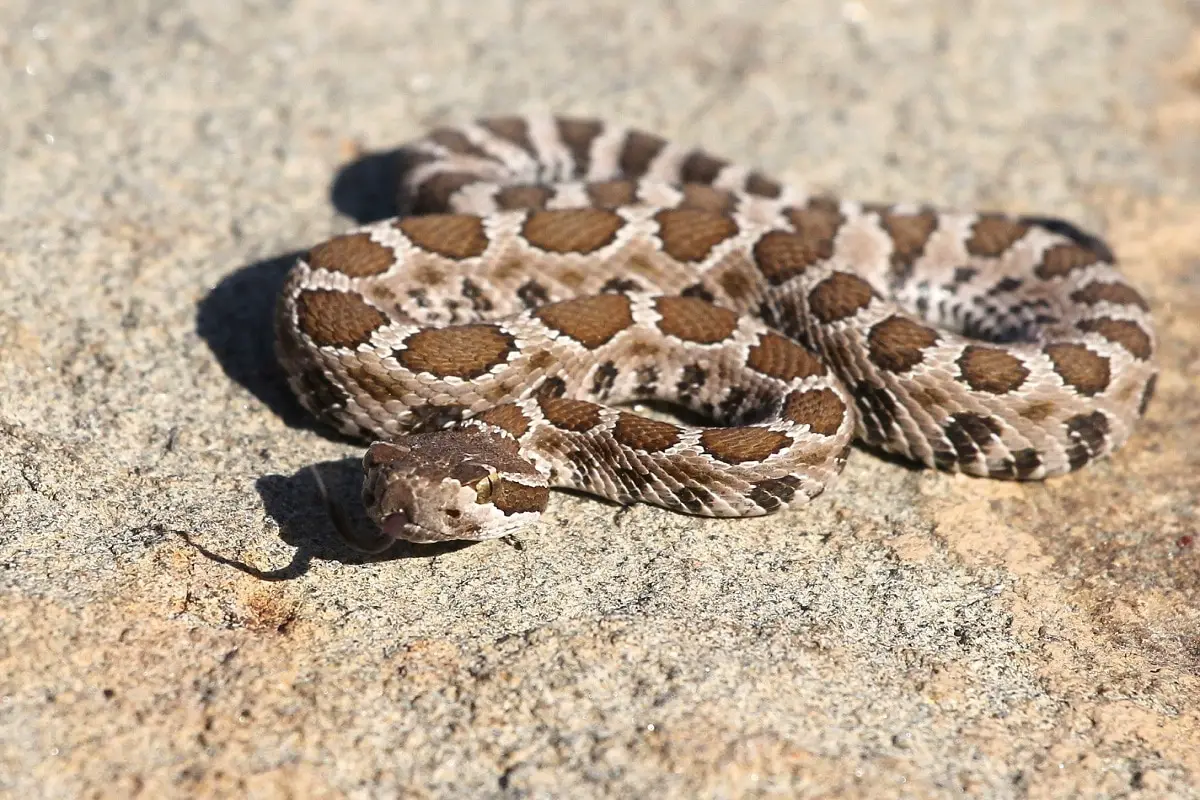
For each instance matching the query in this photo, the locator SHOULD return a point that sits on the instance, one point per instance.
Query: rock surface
(177, 616)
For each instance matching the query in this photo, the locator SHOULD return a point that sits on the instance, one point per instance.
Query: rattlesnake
(545, 272)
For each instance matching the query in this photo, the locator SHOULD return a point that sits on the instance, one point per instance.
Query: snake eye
(486, 485)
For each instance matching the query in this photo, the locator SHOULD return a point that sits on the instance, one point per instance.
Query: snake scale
(546, 272)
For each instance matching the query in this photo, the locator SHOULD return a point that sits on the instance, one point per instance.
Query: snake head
(453, 484)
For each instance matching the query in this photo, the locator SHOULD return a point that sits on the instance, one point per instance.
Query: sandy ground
(178, 618)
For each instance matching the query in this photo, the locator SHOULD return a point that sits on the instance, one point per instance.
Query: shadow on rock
(329, 525)
(234, 320)
(366, 189)
(327, 520)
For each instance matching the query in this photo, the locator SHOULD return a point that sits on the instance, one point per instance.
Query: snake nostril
(452, 513)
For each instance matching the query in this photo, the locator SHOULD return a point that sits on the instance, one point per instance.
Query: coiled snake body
(545, 272)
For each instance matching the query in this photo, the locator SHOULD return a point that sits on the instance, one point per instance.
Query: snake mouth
(398, 525)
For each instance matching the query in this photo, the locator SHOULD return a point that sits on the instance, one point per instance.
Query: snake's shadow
(366, 189)
(296, 503)
(234, 320)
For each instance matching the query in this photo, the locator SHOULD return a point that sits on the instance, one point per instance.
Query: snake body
(545, 272)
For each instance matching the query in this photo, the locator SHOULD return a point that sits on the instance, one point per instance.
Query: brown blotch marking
(992, 234)
(1119, 293)
(611, 194)
(434, 194)
(337, 319)
(820, 409)
(353, 254)
(839, 296)
(1078, 366)
(896, 343)
(737, 285)
(689, 235)
(706, 198)
(573, 230)
(779, 357)
(578, 135)
(737, 445)
(818, 225)
(693, 320)
(512, 497)
(456, 236)
(507, 417)
(643, 433)
(909, 233)
(700, 167)
(781, 256)
(569, 414)
(460, 351)
(457, 142)
(1086, 433)
(591, 321)
(511, 129)
(1062, 259)
(986, 369)
(1037, 412)
(761, 185)
(638, 152)
(515, 197)
(1126, 333)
